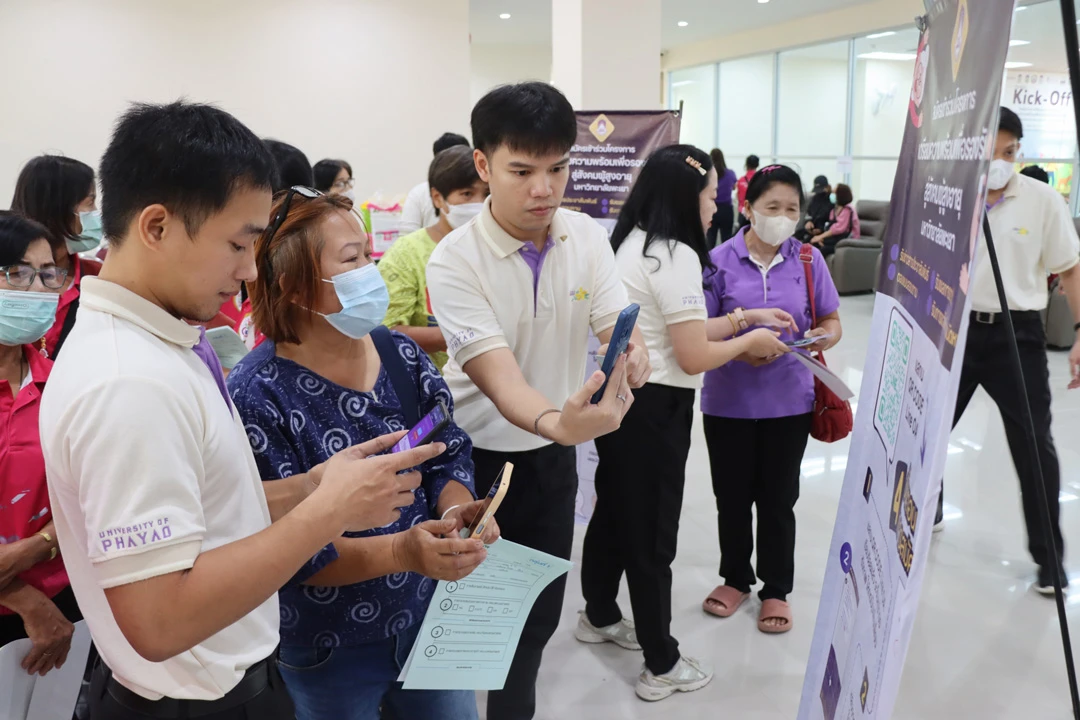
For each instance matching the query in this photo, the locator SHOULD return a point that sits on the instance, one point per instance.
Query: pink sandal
(773, 609)
(724, 601)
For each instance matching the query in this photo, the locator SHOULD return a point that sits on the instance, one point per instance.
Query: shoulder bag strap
(806, 255)
(400, 377)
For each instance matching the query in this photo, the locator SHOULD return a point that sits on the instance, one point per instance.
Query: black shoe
(1045, 584)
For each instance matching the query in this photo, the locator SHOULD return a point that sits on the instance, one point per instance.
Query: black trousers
(538, 511)
(273, 703)
(988, 362)
(757, 462)
(723, 224)
(635, 525)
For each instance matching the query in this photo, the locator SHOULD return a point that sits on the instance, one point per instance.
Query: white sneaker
(621, 633)
(688, 675)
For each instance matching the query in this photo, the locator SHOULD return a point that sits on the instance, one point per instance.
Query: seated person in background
(817, 214)
(36, 600)
(458, 194)
(318, 384)
(1036, 173)
(843, 222)
(334, 177)
(292, 166)
(418, 210)
(60, 193)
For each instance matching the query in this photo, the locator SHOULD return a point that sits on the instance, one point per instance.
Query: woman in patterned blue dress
(315, 387)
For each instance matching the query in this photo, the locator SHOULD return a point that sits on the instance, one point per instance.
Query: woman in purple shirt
(757, 415)
(722, 226)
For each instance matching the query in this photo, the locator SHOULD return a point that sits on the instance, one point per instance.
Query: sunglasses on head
(283, 213)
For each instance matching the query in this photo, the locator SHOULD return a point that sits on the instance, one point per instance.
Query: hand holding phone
(426, 430)
(494, 498)
(806, 341)
(620, 341)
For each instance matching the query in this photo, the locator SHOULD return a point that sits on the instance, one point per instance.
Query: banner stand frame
(1040, 486)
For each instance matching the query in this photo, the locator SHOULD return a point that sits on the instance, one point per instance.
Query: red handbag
(832, 419)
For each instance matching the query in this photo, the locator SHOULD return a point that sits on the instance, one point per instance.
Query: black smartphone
(425, 431)
(620, 340)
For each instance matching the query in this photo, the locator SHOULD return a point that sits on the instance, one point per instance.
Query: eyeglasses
(344, 184)
(23, 276)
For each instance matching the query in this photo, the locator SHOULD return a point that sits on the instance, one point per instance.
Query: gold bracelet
(734, 324)
(48, 538)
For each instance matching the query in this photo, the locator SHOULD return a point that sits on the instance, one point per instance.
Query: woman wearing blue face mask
(327, 377)
(458, 194)
(60, 193)
(36, 600)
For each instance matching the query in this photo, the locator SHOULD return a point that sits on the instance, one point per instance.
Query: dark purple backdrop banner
(940, 187)
(611, 148)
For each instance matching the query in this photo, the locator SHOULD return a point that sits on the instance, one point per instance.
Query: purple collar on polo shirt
(535, 260)
(205, 352)
(787, 250)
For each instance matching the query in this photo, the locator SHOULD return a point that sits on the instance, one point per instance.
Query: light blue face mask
(832, 198)
(364, 300)
(91, 233)
(25, 316)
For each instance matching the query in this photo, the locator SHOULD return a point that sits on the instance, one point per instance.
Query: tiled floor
(985, 645)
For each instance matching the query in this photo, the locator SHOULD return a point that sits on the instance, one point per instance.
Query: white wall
(358, 79)
(882, 88)
(695, 88)
(746, 109)
(812, 115)
(494, 65)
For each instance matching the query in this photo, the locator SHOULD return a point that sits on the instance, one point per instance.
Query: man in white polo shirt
(160, 513)
(1034, 236)
(515, 292)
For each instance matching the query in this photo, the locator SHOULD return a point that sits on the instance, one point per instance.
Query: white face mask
(351, 194)
(458, 215)
(1001, 171)
(773, 230)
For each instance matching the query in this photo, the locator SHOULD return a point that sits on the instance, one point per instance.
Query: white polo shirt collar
(117, 300)
(503, 244)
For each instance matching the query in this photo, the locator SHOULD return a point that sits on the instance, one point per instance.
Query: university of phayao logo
(579, 294)
(602, 127)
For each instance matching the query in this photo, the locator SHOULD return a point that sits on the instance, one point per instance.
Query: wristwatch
(741, 317)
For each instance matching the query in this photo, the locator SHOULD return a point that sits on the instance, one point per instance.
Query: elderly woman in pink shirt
(843, 222)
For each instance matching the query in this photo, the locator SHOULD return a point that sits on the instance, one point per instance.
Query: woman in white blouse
(661, 251)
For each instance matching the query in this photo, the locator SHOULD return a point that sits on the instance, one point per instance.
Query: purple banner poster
(881, 540)
(611, 147)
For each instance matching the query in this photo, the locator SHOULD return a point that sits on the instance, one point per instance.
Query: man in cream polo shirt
(515, 292)
(1033, 236)
(160, 514)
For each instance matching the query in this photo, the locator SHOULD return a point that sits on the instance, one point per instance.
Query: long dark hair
(49, 189)
(718, 161)
(664, 201)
